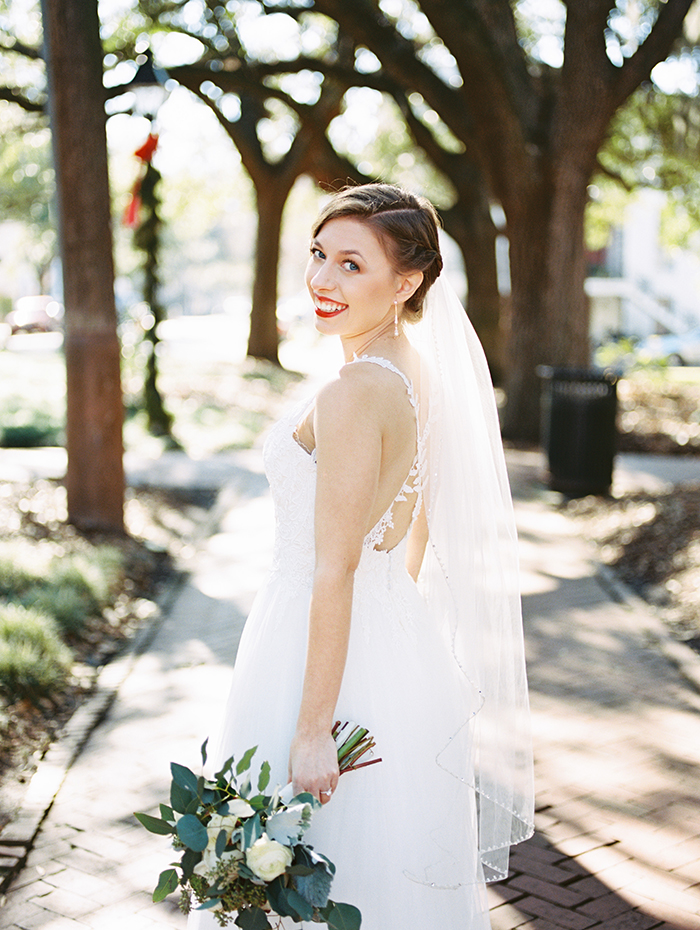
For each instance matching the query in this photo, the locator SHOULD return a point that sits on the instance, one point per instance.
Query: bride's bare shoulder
(361, 391)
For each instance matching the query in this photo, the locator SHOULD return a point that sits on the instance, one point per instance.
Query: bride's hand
(313, 766)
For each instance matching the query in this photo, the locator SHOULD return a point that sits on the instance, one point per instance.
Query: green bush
(70, 608)
(23, 427)
(34, 662)
(70, 588)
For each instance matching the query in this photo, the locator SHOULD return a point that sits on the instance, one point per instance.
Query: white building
(636, 287)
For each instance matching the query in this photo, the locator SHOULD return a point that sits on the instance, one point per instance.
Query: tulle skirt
(402, 833)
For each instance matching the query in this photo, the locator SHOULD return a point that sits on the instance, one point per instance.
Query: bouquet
(243, 855)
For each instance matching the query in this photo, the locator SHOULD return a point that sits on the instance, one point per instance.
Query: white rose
(219, 822)
(207, 864)
(267, 858)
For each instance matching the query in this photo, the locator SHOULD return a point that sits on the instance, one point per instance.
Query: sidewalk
(616, 727)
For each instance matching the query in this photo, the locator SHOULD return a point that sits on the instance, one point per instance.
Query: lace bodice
(291, 471)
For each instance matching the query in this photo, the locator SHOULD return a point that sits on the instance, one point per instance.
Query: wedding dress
(413, 835)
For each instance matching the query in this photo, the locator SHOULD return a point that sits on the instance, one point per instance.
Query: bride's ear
(409, 284)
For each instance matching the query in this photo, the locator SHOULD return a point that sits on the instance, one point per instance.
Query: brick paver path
(617, 741)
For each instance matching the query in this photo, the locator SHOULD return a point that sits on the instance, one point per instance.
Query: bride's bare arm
(417, 541)
(347, 427)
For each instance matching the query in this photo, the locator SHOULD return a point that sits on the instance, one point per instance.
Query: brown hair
(406, 224)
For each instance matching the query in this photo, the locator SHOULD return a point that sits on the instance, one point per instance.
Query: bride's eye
(317, 253)
(351, 265)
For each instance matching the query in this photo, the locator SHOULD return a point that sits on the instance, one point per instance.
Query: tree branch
(369, 27)
(14, 45)
(655, 48)
(15, 95)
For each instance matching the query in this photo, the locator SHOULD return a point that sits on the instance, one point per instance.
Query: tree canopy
(514, 103)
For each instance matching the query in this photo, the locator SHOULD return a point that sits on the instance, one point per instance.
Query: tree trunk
(263, 340)
(95, 476)
(472, 228)
(550, 317)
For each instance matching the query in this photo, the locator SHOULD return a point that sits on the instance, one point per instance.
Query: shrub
(69, 587)
(34, 662)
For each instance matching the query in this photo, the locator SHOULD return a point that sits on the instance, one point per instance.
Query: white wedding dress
(402, 833)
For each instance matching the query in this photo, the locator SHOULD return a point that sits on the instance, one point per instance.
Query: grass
(34, 662)
(218, 405)
(70, 588)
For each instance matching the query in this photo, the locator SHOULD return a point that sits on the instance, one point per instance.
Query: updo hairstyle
(407, 226)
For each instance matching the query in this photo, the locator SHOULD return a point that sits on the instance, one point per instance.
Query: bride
(392, 600)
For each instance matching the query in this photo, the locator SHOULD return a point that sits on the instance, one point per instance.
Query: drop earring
(396, 318)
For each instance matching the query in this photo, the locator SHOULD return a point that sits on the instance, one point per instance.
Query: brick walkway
(617, 741)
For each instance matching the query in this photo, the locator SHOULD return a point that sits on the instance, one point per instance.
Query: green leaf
(298, 904)
(166, 812)
(184, 777)
(189, 860)
(278, 899)
(212, 902)
(342, 917)
(264, 779)
(252, 918)
(221, 841)
(179, 797)
(252, 831)
(154, 824)
(226, 767)
(167, 883)
(203, 750)
(246, 760)
(193, 806)
(192, 833)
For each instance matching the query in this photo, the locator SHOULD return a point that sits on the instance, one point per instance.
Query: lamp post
(142, 214)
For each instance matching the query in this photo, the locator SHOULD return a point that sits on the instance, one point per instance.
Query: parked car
(677, 349)
(35, 315)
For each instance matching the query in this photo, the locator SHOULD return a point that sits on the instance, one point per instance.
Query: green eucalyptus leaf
(264, 777)
(166, 812)
(278, 899)
(203, 750)
(193, 806)
(189, 860)
(343, 917)
(245, 872)
(297, 903)
(192, 832)
(184, 777)
(246, 760)
(252, 918)
(212, 902)
(167, 883)
(226, 767)
(179, 798)
(252, 831)
(154, 824)
(221, 841)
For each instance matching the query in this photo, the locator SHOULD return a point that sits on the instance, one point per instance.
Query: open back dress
(402, 832)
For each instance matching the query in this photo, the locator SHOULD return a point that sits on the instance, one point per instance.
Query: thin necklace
(376, 336)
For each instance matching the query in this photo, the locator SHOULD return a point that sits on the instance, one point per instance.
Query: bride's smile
(351, 280)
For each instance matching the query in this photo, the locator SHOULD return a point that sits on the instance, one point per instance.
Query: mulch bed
(652, 541)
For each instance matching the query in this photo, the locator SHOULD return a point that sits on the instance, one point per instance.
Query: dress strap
(385, 363)
(413, 483)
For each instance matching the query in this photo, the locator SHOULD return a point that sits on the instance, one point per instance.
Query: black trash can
(579, 435)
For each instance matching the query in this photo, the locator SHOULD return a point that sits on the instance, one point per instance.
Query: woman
(395, 463)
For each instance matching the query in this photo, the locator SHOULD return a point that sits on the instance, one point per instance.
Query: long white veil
(470, 576)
